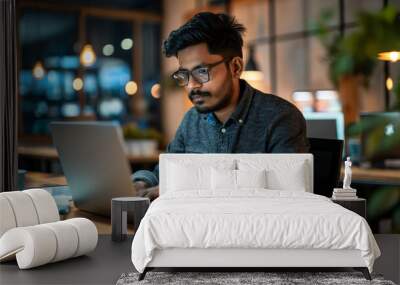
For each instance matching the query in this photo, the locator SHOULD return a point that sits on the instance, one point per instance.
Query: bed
(245, 211)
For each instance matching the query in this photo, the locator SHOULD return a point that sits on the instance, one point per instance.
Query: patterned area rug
(229, 278)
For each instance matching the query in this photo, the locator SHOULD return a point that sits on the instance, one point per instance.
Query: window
(83, 63)
(49, 65)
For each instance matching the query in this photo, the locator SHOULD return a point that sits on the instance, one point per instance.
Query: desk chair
(327, 162)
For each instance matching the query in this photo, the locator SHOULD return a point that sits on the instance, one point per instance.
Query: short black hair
(221, 32)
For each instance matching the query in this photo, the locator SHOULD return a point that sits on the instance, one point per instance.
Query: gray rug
(229, 278)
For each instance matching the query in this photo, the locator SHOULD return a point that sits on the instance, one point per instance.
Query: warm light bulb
(155, 91)
(38, 70)
(77, 84)
(131, 88)
(87, 57)
(392, 56)
(389, 83)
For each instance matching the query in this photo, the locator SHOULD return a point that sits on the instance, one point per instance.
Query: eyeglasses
(201, 74)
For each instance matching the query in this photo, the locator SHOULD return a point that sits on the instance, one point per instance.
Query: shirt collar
(242, 109)
(245, 98)
(211, 119)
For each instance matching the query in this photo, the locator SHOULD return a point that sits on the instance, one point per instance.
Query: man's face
(215, 94)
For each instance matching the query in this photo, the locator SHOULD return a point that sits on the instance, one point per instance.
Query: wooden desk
(50, 153)
(39, 179)
(374, 175)
(103, 224)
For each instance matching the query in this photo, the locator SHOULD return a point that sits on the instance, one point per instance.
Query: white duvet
(252, 218)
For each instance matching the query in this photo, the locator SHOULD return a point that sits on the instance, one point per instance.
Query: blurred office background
(101, 60)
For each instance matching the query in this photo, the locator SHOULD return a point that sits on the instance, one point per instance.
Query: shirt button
(223, 130)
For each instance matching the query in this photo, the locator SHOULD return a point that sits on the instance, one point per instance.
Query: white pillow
(280, 174)
(293, 180)
(193, 175)
(236, 179)
(251, 178)
(223, 179)
(187, 177)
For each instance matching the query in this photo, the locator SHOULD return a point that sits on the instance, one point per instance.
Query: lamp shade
(389, 42)
(251, 64)
(251, 70)
(392, 56)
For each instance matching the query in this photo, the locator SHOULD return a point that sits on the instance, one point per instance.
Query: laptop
(380, 139)
(329, 125)
(94, 162)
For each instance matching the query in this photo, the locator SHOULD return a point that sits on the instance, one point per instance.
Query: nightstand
(358, 206)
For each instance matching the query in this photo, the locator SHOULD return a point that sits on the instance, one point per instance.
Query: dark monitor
(327, 163)
(380, 137)
(325, 125)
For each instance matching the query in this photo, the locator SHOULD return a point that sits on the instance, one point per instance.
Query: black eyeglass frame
(189, 73)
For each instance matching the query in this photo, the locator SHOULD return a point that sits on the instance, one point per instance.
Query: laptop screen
(380, 138)
(325, 125)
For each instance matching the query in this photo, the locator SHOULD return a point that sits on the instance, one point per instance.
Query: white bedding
(252, 218)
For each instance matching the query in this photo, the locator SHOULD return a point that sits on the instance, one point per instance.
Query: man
(229, 116)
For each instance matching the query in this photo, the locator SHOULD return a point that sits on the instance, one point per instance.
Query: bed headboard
(284, 163)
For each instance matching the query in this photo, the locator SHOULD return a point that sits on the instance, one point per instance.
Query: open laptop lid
(94, 163)
(380, 137)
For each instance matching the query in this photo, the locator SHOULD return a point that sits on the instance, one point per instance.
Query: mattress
(250, 219)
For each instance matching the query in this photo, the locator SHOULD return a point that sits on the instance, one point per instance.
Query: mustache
(198, 93)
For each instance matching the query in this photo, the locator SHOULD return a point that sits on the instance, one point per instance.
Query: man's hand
(143, 191)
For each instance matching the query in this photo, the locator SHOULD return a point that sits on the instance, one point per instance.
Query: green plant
(356, 52)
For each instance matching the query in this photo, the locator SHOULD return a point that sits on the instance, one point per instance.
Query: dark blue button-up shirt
(261, 123)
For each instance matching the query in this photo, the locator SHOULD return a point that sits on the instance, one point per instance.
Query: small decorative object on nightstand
(357, 205)
(347, 196)
(120, 207)
(345, 193)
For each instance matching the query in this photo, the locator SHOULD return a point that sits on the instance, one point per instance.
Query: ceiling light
(88, 56)
(252, 72)
(126, 44)
(389, 83)
(38, 71)
(108, 50)
(131, 88)
(77, 84)
(155, 91)
(392, 56)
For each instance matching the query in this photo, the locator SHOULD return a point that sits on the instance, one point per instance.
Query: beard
(221, 104)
